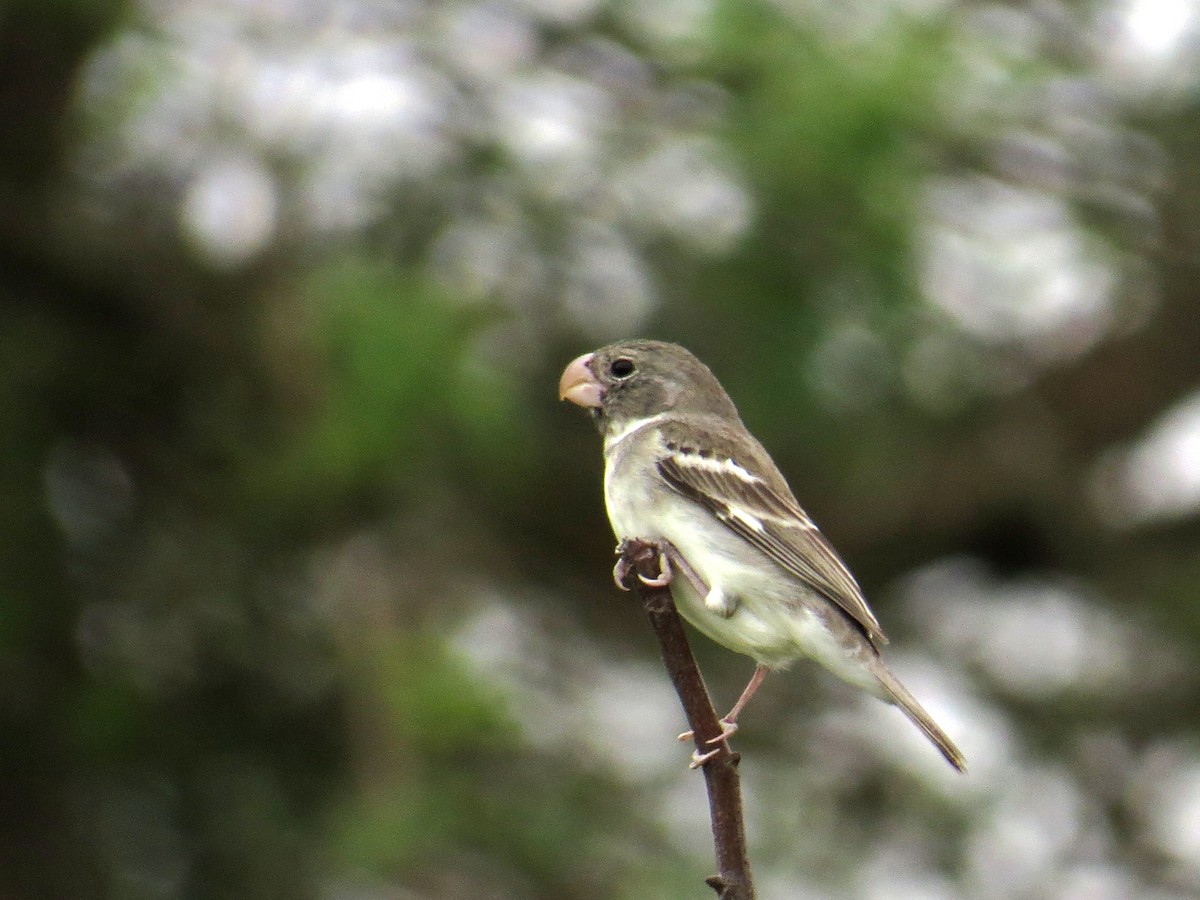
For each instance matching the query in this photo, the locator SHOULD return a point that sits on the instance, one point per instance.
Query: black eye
(622, 367)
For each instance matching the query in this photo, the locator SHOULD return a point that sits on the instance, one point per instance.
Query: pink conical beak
(579, 385)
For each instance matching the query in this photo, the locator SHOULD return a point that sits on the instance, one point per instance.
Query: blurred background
(304, 572)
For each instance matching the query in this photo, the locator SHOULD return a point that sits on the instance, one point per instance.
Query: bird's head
(631, 380)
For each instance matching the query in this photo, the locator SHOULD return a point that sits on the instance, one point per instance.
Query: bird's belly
(777, 620)
(775, 623)
(764, 631)
(767, 624)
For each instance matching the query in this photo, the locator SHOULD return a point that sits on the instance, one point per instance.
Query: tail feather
(916, 713)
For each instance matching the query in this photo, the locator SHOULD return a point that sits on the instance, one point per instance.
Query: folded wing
(771, 520)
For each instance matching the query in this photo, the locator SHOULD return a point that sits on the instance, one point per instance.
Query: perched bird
(750, 569)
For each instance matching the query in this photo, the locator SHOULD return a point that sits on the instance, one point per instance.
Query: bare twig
(732, 881)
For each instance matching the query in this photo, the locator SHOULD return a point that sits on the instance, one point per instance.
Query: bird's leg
(678, 562)
(729, 725)
(729, 722)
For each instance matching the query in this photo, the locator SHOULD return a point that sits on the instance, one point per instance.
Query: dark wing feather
(772, 521)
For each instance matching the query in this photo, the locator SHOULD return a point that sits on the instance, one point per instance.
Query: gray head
(629, 380)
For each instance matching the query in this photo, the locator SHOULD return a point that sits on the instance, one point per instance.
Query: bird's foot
(728, 730)
(699, 759)
(665, 574)
(627, 563)
(680, 564)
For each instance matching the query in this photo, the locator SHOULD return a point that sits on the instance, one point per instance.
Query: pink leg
(686, 568)
(729, 725)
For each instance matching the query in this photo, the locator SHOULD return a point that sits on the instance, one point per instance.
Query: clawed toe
(699, 759)
(664, 573)
(623, 567)
(728, 730)
(620, 573)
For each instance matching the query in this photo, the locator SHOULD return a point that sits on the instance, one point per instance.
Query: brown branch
(732, 881)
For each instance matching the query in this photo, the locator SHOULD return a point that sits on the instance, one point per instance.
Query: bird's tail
(916, 713)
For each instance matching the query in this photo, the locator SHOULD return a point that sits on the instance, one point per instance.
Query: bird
(746, 565)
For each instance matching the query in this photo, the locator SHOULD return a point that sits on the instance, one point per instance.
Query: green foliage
(828, 136)
(436, 706)
(458, 778)
(245, 497)
(384, 385)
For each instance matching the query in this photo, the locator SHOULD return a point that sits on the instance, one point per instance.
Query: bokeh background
(304, 583)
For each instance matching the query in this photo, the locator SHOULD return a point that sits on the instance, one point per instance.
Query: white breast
(645, 507)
